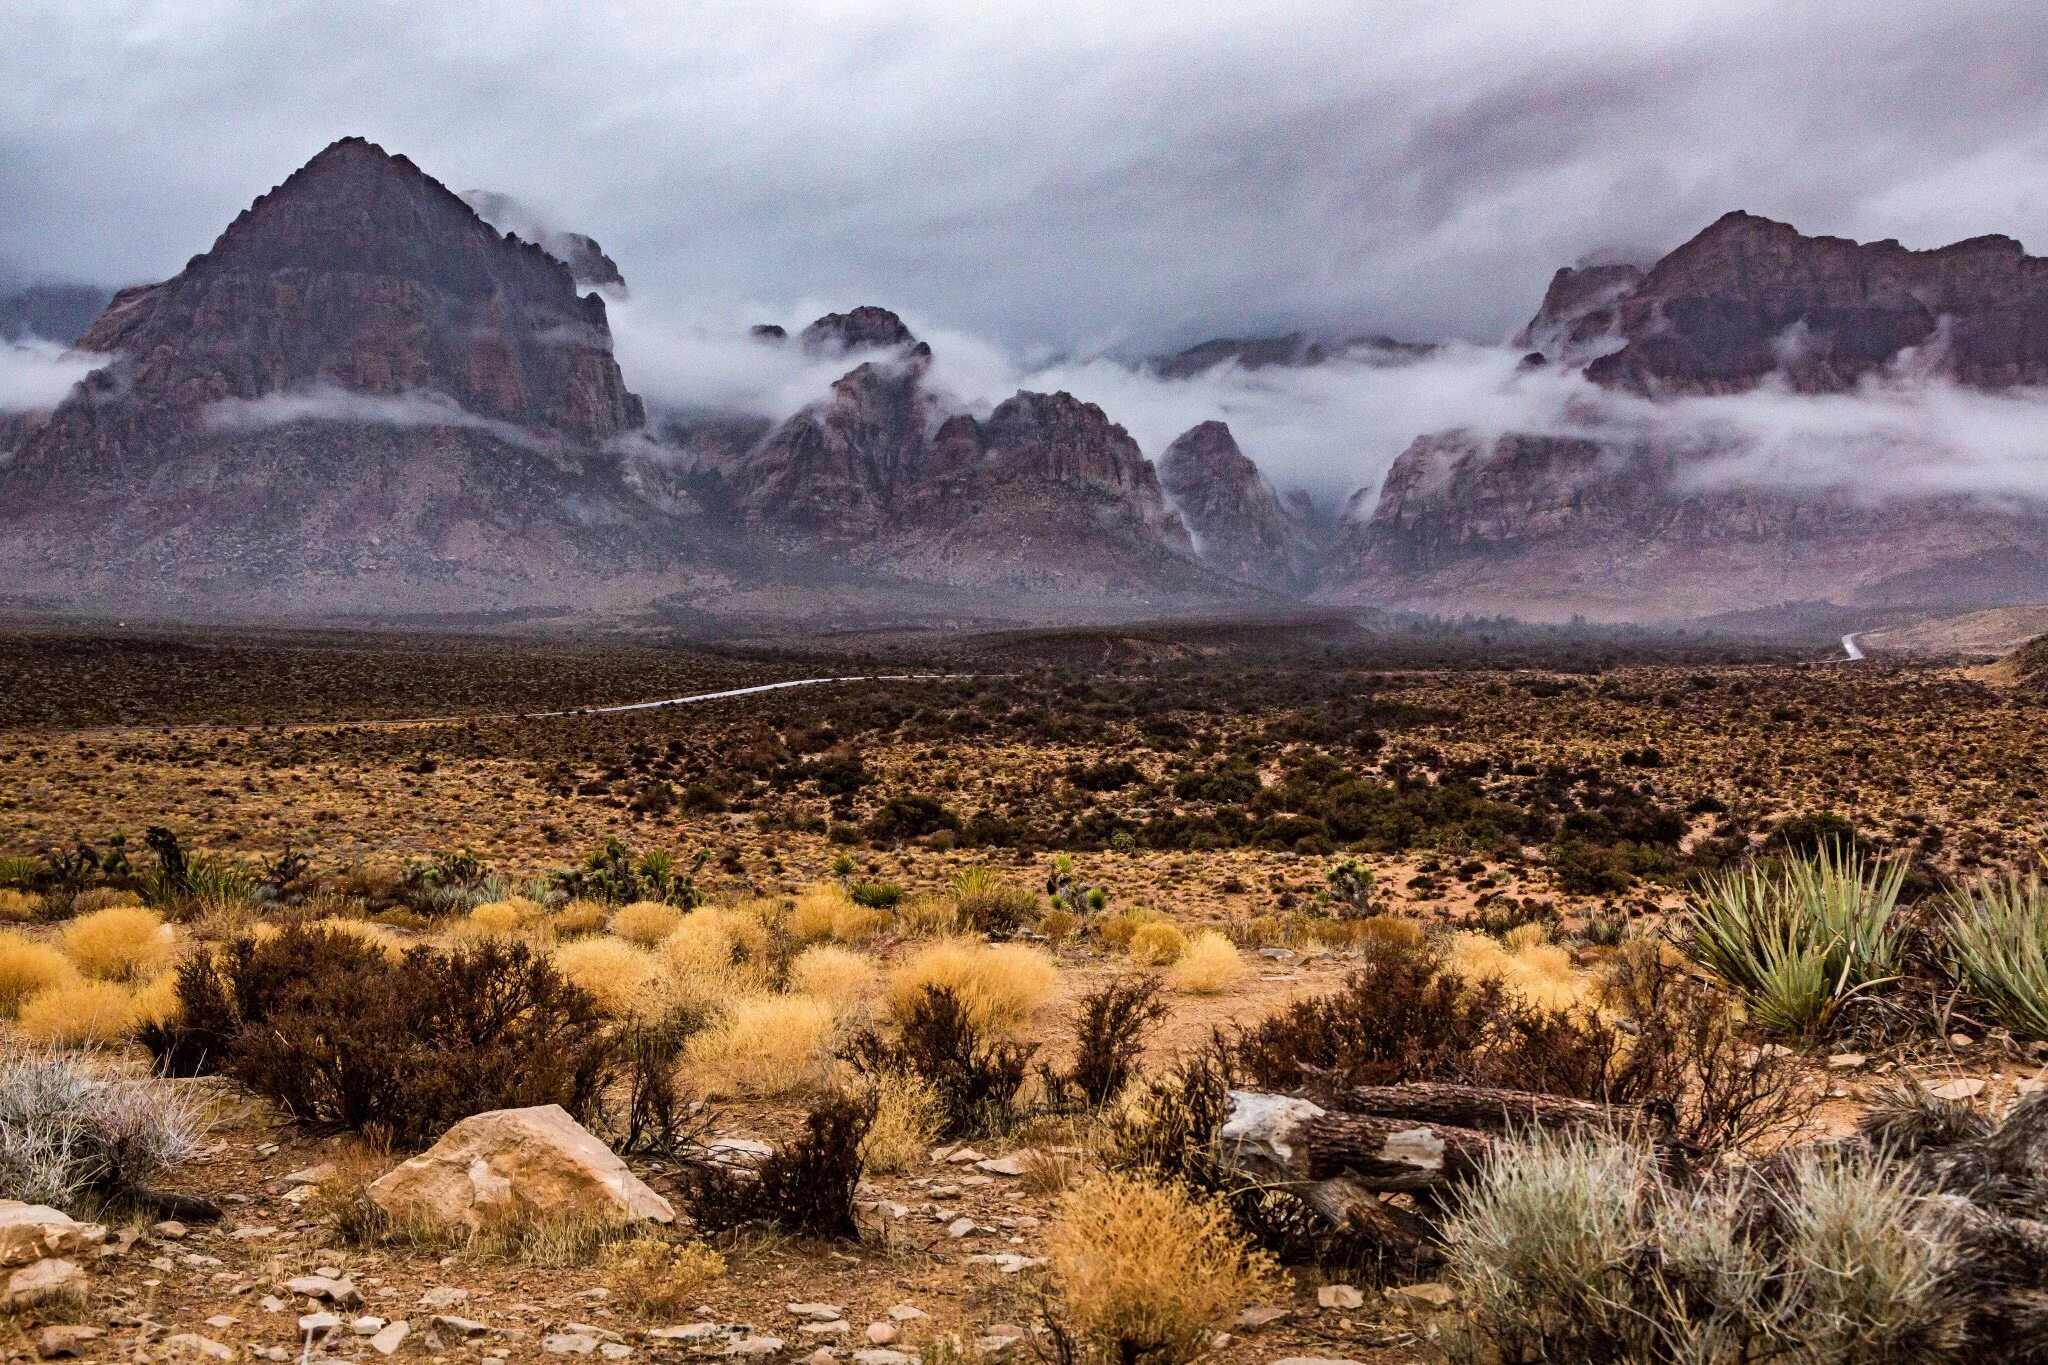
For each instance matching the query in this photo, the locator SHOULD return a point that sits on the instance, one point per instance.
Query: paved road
(1850, 647)
(739, 692)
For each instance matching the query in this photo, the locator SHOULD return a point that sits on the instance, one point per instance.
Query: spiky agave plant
(1798, 938)
(1997, 948)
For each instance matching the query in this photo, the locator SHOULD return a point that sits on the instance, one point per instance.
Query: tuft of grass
(580, 917)
(619, 976)
(816, 911)
(1798, 939)
(1996, 935)
(19, 907)
(1147, 1272)
(984, 903)
(80, 1140)
(119, 943)
(928, 917)
(838, 976)
(79, 1014)
(654, 1277)
(645, 923)
(28, 968)
(765, 1046)
(502, 918)
(1210, 966)
(1000, 984)
(1158, 944)
(1528, 964)
(908, 1117)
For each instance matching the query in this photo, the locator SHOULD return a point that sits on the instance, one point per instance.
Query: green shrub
(1997, 949)
(987, 904)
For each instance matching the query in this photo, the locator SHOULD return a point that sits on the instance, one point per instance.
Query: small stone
(318, 1324)
(596, 1294)
(881, 1333)
(252, 1234)
(170, 1230)
(367, 1326)
(1968, 1088)
(220, 1320)
(822, 1356)
(1961, 1040)
(50, 1280)
(339, 1292)
(614, 1350)
(904, 1312)
(695, 1331)
(1259, 1317)
(1277, 954)
(266, 1149)
(65, 1341)
(961, 1227)
(1008, 1262)
(461, 1327)
(198, 1345)
(837, 1327)
(755, 1346)
(966, 1156)
(312, 1175)
(1005, 1165)
(271, 1303)
(391, 1338)
(1429, 1292)
(276, 1353)
(816, 1312)
(569, 1344)
(881, 1358)
(1339, 1296)
(444, 1296)
(1846, 1061)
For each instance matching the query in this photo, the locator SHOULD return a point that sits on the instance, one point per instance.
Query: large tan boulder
(517, 1165)
(35, 1232)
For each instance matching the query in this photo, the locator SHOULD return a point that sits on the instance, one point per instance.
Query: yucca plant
(1997, 949)
(1797, 938)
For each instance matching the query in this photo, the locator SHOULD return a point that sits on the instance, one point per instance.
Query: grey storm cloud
(1056, 175)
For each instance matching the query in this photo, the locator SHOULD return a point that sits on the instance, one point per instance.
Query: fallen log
(1296, 1141)
(1481, 1107)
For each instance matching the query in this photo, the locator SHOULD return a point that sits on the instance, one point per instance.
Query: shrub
(1351, 887)
(861, 924)
(1147, 1272)
(654, 1277)
(928, 917)
(1158, 944)
(81, 1141)
(340, 1036)
(805, 1187)
(502, 918)
(1109, 1037)
(986, 904)
(718, 951)
(875, 895)
(764, 1046)
(581, 917)
(373, 936)
(621, 978)
(1798, 940)
(975, 1079)
(646, 923)
(1997, 949)
(816, 911)
(999, 984)
(838, 976)
(1059, 925)
(1531, 967)
(1118, 930)
(1210, 965)
(19, 907)
(27, 968)
(119, 943)
(79, 1014)
(657, 1120)
(908, 1118)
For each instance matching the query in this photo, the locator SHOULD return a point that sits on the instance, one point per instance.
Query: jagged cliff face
(1240, 526)
(588, 264)
(361, 398)
(1621, 529)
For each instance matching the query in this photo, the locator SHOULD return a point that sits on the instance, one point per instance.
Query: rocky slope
(1241, 527)
(586, 260)
(361, 398)
(1553, 526)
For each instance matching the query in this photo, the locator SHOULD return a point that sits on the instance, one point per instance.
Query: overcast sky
(1048, 174)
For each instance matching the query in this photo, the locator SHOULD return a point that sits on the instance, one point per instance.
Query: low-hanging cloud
(328, 402)
(35, 375)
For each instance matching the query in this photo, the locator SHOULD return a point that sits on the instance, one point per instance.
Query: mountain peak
(863, 329)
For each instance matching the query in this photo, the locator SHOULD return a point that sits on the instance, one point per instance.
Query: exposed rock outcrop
(1579, 318)
(586, 260)
(1241, 528)
(863, 329)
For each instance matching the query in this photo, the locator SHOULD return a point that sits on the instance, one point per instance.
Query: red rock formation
(587, 262)
(864, 329)
(1240, 527)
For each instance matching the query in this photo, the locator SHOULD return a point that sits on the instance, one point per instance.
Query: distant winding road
(1851, 648)
(738, 692)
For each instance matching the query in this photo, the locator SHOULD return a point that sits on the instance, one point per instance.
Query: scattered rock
(1339, 1296)
(755, 1346)
(197, 1345)
(339, 1292)
(568, 1344)
(461, 1327)
(1012, 1164)
(220, 1320)
(367, 1326)
(170, 1230)
(837, 1327)
(881, 1357)
(319, 1324)
(37, 1232)
(50, 1280)
(65, 1341)
(1008, 1262)
(1967, 1088)
(1847, 1061)
(695, 1331)
(822, 1356)
(1259, 1317)
(904, 1312)
(444, 1296)
(312, 1175)
(881, 1333)
(965, 1156)
(961, 1227)
(1428, 1292)
(1961, 1040)
(508, 1164)
(614, 1350)
(816, 1312)
(391, 1338)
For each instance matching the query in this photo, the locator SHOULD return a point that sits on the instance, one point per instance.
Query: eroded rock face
(509, 1165)
(1241, 529)
(864, 329)
(36, 1232)
(1579, 318)
(586, 260)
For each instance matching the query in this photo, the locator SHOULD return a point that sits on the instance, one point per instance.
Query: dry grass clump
(156, 1003)
(1386, 931)
(1119, 929)
(502, 918)
(79, 1014)
(1537, 970)
(622, 979)
(928, 917)
(987, 904)
(27, 968)
(19, 907)
(908, 1116)
(1148, 1272)
(839, 976)
(580, 917)
(861, 924)
(1058, 925)
(716, 952)
(120, 943)
(646, 923)
(654, 1277)
(1158, 944)
(816, 910)
(765, 1046)
(361, 930)
(1000, 984)
(1209, 966)
(102, 898)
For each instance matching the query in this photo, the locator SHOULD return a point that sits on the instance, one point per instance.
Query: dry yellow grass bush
(102, 898)
(120, 943)
(79, 1013)
(19, 907)
(581, 917)
(1145, 1271)
(861, 924)
(1158, 944)
(1119, 929)
(716, 952)
(1059, 925)
(1001, 984)
(623, 979)
(815, 913)
(1386, 931)
(765, 1046)
(907, 1119)
(928, 917)
(654, 1278)
(1539, 971)
(839, 975)
(1210, 965)
(27, 968)
(646, 923)
(156, 1001)
(497, 917)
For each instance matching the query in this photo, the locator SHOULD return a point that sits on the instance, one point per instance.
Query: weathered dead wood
(1480, 1107)
(1405, 1242)
(1296, 1141)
